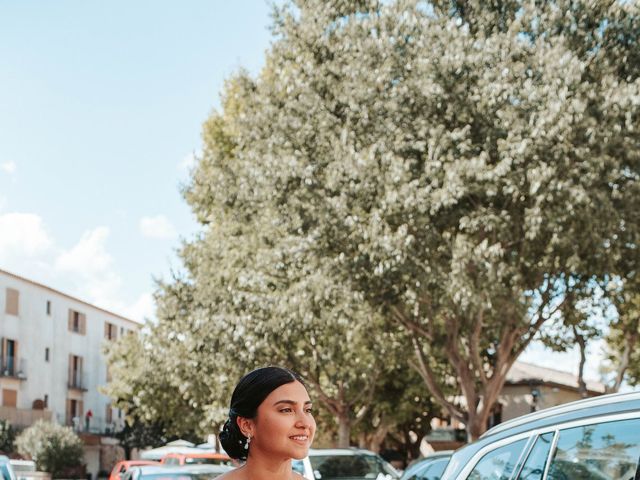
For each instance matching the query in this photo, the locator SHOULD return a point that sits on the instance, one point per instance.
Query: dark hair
(250, 392)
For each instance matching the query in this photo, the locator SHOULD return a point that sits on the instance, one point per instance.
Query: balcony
(22, 417)
(13, 368)
(77, 381)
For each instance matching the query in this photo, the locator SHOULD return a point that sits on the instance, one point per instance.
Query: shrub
(53, 447)
(7, 436)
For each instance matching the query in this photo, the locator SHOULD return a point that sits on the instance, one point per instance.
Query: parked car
(593, 439)
(23, 469)
(121, 467)
(6, 469)
(344, 464)
(180, 472)
(430, 467)
(197, 458)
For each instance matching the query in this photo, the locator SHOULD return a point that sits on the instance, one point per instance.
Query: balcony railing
(13, 367)
(22, 417)
(78, 381)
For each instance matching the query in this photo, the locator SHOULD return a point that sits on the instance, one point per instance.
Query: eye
(309, 410)
(286, 410)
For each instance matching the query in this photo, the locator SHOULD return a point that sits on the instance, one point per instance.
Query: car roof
(339, 451)
(197, 455)
(589, 408)
(164, 469)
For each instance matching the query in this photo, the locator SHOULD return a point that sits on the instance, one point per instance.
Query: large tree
(458, 164)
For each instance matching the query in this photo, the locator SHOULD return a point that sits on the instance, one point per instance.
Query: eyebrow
(291, 402)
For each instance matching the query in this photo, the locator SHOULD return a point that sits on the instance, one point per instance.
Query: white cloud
(23, 237)
(86, 270)
(144, 307)
(157, 227)
(8, 167)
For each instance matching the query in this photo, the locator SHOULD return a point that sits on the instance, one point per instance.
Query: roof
(70, 297)
(527, 373)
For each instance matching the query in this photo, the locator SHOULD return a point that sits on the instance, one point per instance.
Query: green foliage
(7, 436)
(406, 181)
(53, 447)
(457, 167)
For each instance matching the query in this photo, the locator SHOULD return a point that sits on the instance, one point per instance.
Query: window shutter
(69, 412)
(70, 369)
(83, 324)
(12, 301)
(80, 412)
(106, 330)
(70, 320)
(4, 353)
(16, 358)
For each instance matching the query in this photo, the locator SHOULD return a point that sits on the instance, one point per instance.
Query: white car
(344, 464)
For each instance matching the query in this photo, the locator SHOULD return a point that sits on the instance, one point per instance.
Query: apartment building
(51, 360)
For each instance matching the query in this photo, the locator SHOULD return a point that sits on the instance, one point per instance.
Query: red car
(125, 465)
(197, 458)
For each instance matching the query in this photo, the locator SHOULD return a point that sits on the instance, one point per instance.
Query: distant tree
(142, 387)
(52, 447)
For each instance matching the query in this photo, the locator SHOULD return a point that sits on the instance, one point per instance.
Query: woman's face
(284, 424)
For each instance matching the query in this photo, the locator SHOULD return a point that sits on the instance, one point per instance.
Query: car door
(604, 450)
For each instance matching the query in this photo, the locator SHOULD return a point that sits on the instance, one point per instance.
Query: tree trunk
(344, 430)
(582, 345)
(630, 340)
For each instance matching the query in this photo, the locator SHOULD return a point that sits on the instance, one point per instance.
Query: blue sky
(101, 105)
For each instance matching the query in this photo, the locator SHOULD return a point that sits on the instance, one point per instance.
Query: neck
(264, 467)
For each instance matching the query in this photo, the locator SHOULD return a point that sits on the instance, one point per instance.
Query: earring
(246, 445)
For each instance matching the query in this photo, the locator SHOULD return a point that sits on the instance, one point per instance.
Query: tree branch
(425, 371)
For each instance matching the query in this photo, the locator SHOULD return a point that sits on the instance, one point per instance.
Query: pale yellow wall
(516, 400)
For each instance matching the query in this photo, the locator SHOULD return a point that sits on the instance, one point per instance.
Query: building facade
(51, 357)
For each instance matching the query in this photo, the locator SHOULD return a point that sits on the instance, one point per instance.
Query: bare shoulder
(231, 475)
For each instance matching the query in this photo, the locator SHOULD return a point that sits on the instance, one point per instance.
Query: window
(533, 468)
(110, 331)
(109, 414)
(74, 413)
(9, 354)
(605, 451)
(12, 301)
(498, 464)
(48, 307)
(77, 322)
(75, 371)
(46, 354)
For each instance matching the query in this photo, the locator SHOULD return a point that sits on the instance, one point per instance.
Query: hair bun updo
(232, 439)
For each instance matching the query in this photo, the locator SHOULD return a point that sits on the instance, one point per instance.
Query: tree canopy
(430, 182)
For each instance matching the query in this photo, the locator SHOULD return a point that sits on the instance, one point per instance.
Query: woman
(270, 423)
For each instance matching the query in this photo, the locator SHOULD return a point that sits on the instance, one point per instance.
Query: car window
(604, 451)
(498, 464)
(298, 466)
(172, 461)
(434, 470)
(536, 462)
(345, 466)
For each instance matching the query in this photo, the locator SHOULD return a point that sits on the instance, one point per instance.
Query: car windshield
(207, 461)
(346, 466)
